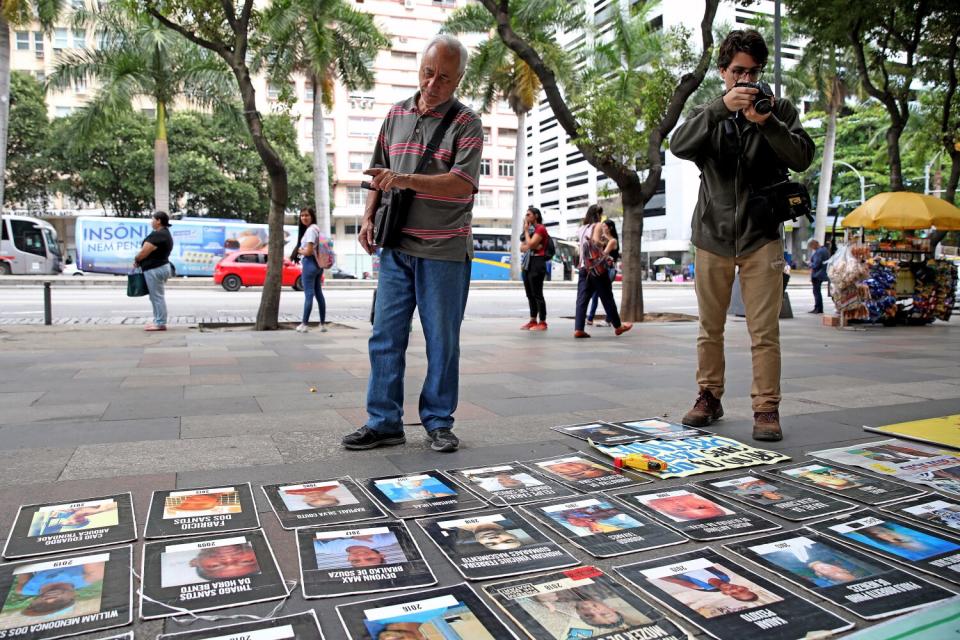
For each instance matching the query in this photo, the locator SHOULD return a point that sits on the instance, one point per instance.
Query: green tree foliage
(28, 169)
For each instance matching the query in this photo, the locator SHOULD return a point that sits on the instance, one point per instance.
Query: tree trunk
(519, 171)
(893, 153)
(950, 193)
(4, 104)
(321, 178)
(826, 175)
(631, 301)
(161, 162)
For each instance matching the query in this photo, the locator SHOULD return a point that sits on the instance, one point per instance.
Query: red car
(249, 269)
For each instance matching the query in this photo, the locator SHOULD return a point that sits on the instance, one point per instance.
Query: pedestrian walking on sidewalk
(311, 261)
(818, 273)
(611, 242)
(428, 267)
(154, 260)
(739, 152)
(534, 268)
(594, 274)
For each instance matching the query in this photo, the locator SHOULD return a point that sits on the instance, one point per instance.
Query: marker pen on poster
(640, 461)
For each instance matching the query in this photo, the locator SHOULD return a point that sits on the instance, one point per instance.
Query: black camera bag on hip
(392, 214)
(787, 200)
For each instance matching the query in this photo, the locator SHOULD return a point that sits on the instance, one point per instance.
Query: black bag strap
(437, 138)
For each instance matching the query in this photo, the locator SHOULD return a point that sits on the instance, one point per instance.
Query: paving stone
(18, 398)
(43, 464)
(160, 407)
(262, 423)
(77, 411)
(72, 434)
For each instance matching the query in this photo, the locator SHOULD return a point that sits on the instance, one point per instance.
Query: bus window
(52, 243)
(503, 243)
(484, 243)
(28, 238)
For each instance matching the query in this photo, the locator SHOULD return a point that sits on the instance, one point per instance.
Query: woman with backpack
(611, 242)
(594, 275)
(308, 253)
(534, 268)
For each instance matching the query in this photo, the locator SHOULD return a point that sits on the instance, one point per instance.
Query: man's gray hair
(453, 44)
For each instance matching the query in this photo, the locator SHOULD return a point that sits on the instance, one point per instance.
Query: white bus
(28, 246)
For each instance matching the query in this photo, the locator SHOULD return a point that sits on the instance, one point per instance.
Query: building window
(485, 167)
(79, 38)
(23, 41)
(362, 127)
(505, 198)
(507, 136)
(356, 196)
(61, 38)
(505, 168)
(308, 92)
(38, 44)
(273, 91)
(308, 129)
(40, 76)
(405, 56)
(328, 130)
(360, 161)
(62, 112)
(486, 135)
(485, 199)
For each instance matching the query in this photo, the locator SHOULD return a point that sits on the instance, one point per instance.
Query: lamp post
(863, 183)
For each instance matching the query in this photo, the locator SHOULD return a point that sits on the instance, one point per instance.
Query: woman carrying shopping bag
(154, 260)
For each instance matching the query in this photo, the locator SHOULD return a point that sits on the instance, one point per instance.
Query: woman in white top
(311, 271)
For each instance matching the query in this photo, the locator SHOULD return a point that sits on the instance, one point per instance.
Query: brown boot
(766, 426)
(706, 410)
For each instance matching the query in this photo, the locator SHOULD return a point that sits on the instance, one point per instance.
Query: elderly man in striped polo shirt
(429, 269)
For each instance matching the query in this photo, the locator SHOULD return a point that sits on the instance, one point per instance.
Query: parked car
(249, 269)
(339, 274)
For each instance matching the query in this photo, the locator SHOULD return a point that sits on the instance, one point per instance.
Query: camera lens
(762, 106)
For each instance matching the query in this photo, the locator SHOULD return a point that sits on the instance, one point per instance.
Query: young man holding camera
(742, 142)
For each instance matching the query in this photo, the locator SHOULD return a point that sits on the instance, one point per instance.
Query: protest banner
(415, 495)
(844, 482)
(787, 500)
(510, 484)
(201, 511)
(320, 502)
(300, 626)
(907, 461)
(943, 431)
(932, 510)
(691, 456)
(57, 527)
(585, 473)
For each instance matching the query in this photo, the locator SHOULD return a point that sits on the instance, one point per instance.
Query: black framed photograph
(844, 482)
(59, 527)
(415, 495)
(212, 572)
(510, 484)
(696, 514)
(299, 626)
(603, 527)
(579, 603)
(67, 595)
(932, 510)
(585, 473)
(788, 500)
(201, 511)
(728, 601)
(320, 502)
(495, 544)
(380, 556)
(600, 432)
(450, 613)
(863, 585)
(660, 429)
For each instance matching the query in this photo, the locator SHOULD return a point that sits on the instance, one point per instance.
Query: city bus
(491, 254)
(28, 246)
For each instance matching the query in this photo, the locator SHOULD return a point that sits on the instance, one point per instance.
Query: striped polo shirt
(437, 227)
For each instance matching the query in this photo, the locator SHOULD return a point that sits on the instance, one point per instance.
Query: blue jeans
(596, 296)
(311, 278)
(817, 294)
(586, 286)
(438, 288)
(156, 285)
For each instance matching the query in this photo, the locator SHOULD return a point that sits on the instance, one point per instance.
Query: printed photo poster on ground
(510, 484)
(728, 601)
(585, 473)
(788, 500)
(300, 626)
(580, 603)
(602, 526)
(58, 527)
(863, 585)
(416, 495)
(68, 595)
(919, 547)
(200, 511)
(845, 483)
(943, 431)
(450, 613)
(691, 456)
(659, 429)
(696, 514)
(932, 510)
(382, 556)
(212, 572)
(600, 432)
(495, 544)
(318, 503)
(907, 461)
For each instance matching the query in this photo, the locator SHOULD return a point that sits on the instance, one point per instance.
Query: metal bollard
(47, 310)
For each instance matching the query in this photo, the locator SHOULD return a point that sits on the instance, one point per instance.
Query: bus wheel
(5, 269)
(232, 282)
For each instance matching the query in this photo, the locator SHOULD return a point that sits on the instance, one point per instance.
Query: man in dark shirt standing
(429, 269)
(818, 272)
(154, 261)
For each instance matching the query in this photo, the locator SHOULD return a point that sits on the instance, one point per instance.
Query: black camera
(763, 99)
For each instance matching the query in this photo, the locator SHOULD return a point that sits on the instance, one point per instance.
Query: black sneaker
(442, 439)
(367, 438)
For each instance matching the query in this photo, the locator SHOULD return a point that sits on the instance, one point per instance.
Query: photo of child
(814, 563)
(79, 516)
(366, 548)
(684, 506)
(443, 618)
(320, 495)
(201, 502)
(186, 564)
(754, 490)
(898, 540)
(504, 481)
(581, 612)
(710, 589)
(42, 592)
(824, 477)
(477, 535)
(576, 468)
(591, 516)
(410, 488)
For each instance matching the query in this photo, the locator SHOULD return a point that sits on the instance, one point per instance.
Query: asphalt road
(24, 303)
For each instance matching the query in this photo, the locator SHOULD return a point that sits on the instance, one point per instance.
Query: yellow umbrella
(904, 210)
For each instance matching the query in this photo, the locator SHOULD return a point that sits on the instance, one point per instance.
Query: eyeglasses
(753, 73)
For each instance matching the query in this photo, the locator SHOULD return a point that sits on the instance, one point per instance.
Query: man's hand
(386, 179)
(751, 114)
(739, 99)
(366, 235)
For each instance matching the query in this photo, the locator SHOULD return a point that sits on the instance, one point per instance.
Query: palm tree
(327, 40)
(497, 73)
(139, 57)
(17, 12)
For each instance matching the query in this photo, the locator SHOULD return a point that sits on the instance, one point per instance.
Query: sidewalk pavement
(91, 410)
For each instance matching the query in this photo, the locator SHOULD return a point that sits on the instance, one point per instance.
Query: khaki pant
(761, 283)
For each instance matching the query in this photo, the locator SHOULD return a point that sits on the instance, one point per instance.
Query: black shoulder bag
(392, 215)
